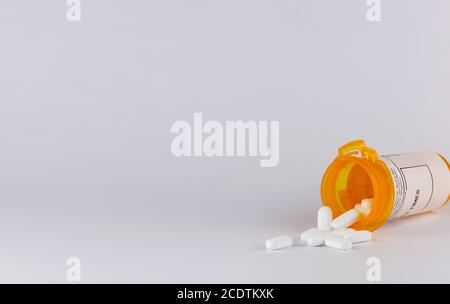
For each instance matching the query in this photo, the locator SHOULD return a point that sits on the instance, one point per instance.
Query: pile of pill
(331, 232)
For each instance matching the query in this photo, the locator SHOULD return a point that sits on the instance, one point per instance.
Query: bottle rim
(336, 176)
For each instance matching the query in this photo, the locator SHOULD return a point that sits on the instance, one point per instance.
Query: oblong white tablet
(316, 240)
(342, 231)
(338, 242)
(308, 233)
(359, 236)
(367, 203)
(324, 218)
(279, 242)
(346, 219)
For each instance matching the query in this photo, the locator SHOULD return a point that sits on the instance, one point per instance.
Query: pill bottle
(400, 184)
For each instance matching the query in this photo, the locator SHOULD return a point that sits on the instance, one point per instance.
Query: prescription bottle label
(421, 182)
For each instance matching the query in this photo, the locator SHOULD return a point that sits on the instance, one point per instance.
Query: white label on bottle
(421, 181)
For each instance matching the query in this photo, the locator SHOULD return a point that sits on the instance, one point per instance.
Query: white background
(85, 116)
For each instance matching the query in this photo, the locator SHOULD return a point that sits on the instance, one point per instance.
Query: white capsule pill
(359, 236)
(308, 233)
(324, 218)
(316, 240)
(346, 219)
(338, 242)
(279, 242)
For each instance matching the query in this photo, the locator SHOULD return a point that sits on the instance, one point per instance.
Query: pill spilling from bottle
(359, 172)
(331, 232)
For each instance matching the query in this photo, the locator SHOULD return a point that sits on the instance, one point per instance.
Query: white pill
(343, 231)
(363, 210)
(316, 240)
(359, 236)
(279, 242)
(338, 242)
(324, 218)
(346, 219)
(365, 207)
(309, 233)
(367, 203)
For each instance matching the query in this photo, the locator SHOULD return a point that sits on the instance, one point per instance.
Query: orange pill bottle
(400, 184)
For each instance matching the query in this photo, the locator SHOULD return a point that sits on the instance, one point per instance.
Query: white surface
(135, 242)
